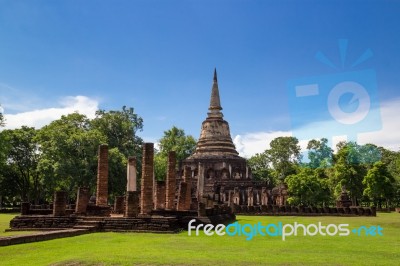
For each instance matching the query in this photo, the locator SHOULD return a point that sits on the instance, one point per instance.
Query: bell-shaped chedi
(215, 137)
(216, 168)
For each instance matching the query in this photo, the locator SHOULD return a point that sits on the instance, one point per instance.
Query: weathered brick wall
(82, 200)
(25, 207)
(171, 181)
(160, 195)
(39, 222)
(132, 204)
(183, 190)
(187, 178)
(146, 196)
(119, 204)
(94, 210)
(172, 221)
(141, 224)
(60, 202)
(304, 211)
(102, 176)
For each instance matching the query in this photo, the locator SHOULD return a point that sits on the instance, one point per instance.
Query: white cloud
(41, 117)
(388, 136)
(251, 143)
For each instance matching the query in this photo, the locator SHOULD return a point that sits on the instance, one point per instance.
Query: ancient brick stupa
(217, 169)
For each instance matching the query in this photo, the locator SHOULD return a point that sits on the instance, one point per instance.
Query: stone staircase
(89, 223)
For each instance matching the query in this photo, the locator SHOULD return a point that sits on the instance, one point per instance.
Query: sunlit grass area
(5, 224)
(159, 249)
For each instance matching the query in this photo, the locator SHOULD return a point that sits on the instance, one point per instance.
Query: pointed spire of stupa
(215, 136)
(215, 102)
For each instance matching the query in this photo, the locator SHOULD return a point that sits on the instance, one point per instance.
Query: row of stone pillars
(161, 194)
(153, 194)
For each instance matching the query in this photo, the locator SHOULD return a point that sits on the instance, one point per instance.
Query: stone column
(102, 177)
(160, 195)
(60, 202)
(171, 181)
(181, 206)
(250, 196)
(132, 204)
(119, 204)
(131, 174)
(200, 181)
(188, 180)
(201, 210)
(146, 196)
(236, 196)
(264, 196)
(25, 207)
(82, 200)
(373, 211)
(231, 199)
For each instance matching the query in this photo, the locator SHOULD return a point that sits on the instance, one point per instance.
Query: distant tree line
(369, 173)
(63, 155)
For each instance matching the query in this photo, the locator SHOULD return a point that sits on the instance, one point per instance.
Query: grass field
(5, 224)
(181, 249)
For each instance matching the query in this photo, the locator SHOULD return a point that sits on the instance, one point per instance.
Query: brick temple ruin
(211, 186)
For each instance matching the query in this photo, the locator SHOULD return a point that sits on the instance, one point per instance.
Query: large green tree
(379, 184)
(69, 153)
(319, 153)
(306, 188)
(120, 129)
(260, 167)
(284, 154)
(19, 173)
(176, 140)
(349, 171)
(392, 161)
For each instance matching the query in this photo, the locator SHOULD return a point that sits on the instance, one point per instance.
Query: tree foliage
(69, 151)
(284, 154)
(319, 153)
(260, 167)
(380, 184)
(176, 140)
(306, 188)
(321, 180)
(63, 155)
(349, 171)
(19, 174)
(120, 129)
(2, 120)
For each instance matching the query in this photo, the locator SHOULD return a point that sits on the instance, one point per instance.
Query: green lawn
(181, 249)
(5, 224)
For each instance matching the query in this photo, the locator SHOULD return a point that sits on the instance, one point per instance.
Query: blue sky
(159, 57)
